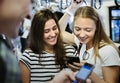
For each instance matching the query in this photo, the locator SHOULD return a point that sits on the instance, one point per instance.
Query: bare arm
(65, 76)
(68, 13)
(68, 37)
(25, 73)
(64, 20)
(110, 75)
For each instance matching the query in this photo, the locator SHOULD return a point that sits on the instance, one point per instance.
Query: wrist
(70, 10)
(69, 13)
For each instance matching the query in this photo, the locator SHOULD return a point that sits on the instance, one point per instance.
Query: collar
(7, 41)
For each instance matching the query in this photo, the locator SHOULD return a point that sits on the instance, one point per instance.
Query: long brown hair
(37, 33)
(100, 38)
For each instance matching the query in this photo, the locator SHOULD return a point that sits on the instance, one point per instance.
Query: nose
(52, 33)
(82, 33)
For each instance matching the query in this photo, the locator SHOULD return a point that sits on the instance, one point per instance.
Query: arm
(66, 76)
(110, 66)
(68, 37)
(110, 75)
(25, 73)
(63, 77)
(68, 13)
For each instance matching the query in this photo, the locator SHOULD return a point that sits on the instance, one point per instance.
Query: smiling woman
(45, 55)
(90, 33)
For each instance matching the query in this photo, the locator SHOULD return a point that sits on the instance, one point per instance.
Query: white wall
(104, 12)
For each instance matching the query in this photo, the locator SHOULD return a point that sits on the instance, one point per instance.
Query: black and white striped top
(42, 73)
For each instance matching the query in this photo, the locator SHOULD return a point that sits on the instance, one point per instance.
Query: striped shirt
(42, 73)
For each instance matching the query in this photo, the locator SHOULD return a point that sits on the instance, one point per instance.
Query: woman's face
(84, 29)
(51, 33)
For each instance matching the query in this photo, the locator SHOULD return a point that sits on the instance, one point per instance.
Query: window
(114, 21)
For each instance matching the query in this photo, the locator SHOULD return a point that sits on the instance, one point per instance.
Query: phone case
(84, 71)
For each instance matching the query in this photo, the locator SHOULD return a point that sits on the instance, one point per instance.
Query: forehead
(50, 23)
(84, 22)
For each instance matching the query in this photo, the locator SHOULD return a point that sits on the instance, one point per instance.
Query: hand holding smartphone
(84, 72)
(71, 59)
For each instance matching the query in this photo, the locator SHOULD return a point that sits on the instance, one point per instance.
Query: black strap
(78, 50)
(99, 4)
(85, 2)
(117, 3)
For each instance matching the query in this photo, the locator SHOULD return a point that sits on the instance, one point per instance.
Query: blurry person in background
(12, 13)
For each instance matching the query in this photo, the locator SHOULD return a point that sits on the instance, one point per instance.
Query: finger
(77, 64)
(88, 81)
(73, 68)
(70, 74)
(75, 72)
(82, 63)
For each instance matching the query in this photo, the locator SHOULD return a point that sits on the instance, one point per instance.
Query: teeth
(82, 39)
(52, 39)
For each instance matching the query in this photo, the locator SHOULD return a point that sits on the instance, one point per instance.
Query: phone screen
(84, 71)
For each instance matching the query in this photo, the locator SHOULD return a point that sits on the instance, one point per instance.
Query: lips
(52, 39)
(82, 40)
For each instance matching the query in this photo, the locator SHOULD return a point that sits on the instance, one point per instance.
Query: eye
(77, 28)
(46, 31)
(55, 27)
(88, 29)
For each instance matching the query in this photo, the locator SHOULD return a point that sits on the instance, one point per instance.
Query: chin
(52, 43)
(84, 42)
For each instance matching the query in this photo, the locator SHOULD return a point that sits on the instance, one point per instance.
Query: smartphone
(84, 71)
(71, 59)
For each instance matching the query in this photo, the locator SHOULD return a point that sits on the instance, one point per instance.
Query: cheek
(92, 34)
(57, 31)
(45, 35)
(76, 32)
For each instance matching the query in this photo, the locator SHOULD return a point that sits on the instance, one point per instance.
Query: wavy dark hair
(36, 42)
